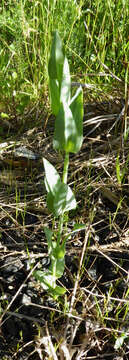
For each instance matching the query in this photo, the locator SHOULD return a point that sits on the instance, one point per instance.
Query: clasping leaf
(68, 134)
(60, 197)
(59, 75)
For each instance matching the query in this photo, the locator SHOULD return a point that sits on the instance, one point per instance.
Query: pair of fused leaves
(56, 269)
(68, 134)
(60, 197)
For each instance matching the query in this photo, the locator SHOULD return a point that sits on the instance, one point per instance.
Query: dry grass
(86, 323)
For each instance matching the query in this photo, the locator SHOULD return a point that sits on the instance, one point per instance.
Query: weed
(68, 137)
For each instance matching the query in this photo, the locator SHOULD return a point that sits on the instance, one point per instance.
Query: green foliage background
(93, 32)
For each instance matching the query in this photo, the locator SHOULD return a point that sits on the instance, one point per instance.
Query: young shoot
(68, 138)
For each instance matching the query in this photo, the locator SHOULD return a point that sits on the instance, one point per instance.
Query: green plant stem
(65, 171)
(64, 180)
(60, 228)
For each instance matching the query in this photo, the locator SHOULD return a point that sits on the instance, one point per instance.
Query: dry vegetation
(91, 322)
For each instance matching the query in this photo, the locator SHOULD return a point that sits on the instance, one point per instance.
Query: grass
(95, 35)
(91, 321)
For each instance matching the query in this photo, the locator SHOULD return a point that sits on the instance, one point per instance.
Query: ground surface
(33, 326)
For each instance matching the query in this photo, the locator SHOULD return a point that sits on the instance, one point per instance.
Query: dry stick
(22, 316)
(87, 86)
(112, 261)
(117, 119)
(87, 232)
(22, 348)
(65, 352)
(17, 293)
(54, 309)
(79, 320)
(54, 356)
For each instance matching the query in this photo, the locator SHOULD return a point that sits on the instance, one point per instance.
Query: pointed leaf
(58, 291)
(65, 134)
(78, 227)
(45, 278)
(47, 282)
(64, 200)
(56, 61)
(49, 235)
(65, 92)
(60, 92)
(60, 197)
(50, 202)
(70, 200)
(59, 75)
(54, 95)
(59, 251)
(57, 267)
(52, 178)
(76, 107)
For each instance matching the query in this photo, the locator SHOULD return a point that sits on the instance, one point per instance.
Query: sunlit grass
(95, 35)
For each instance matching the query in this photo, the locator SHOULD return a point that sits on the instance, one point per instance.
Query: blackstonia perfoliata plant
(68, 138)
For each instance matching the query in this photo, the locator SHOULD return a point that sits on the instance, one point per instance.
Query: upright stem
(64, 180)
(65, 171)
